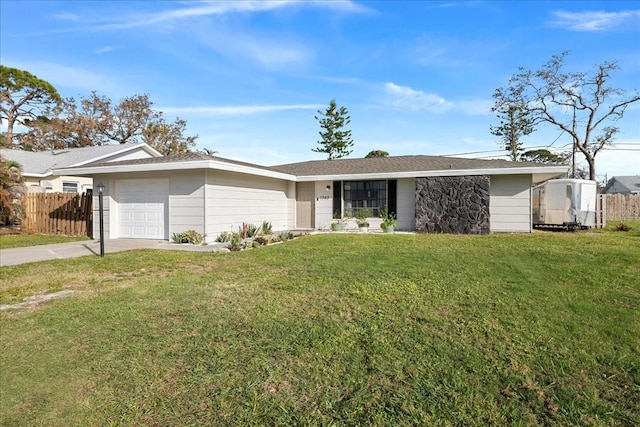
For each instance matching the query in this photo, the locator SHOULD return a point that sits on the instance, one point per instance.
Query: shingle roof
(394, 164)
(177, 158)
(631, 183)
(174, 158)
(42, 162)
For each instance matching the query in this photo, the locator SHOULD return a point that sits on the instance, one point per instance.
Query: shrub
(225, 236)
(265, 228)
(252, 230)
(235, 243)
(261, 240)
(284, 236)
(623, 226)
(189, 236)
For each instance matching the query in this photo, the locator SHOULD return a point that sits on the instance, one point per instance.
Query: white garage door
(142, 208)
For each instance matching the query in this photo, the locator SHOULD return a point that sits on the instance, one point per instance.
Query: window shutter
(337, 197)
(392, 196)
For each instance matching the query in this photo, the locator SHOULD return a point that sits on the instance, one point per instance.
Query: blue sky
(248, 77)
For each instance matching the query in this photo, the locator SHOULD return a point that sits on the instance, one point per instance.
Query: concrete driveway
(92, 248)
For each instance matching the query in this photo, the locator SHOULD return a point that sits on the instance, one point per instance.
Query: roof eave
(37, 175)
(172, 166)
(152, 151)
(552, 171)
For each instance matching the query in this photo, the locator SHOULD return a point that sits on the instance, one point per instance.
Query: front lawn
(539, 329)
(8, 241)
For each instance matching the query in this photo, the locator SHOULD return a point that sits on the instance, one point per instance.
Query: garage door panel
(142, 207)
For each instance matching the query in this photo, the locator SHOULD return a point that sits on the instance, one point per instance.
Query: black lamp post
(101, 208)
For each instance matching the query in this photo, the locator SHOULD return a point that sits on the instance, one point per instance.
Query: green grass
(8, 241)
(540, 329)
(611, 226)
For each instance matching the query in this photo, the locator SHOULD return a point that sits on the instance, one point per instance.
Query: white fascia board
(552, 170)
(231, 167)
(157, 167)
(37, 175)
(145, 147)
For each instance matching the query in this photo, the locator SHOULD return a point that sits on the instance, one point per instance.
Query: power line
(556, 149)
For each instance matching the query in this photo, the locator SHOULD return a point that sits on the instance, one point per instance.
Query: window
(364, 195)
(69, 187)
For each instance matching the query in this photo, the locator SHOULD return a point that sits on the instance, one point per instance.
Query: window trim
(67, 183)
(375, 203)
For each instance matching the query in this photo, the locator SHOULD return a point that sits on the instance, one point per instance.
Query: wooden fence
(59, 213)
(620, 206)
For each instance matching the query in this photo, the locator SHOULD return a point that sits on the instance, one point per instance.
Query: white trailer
(567, 203)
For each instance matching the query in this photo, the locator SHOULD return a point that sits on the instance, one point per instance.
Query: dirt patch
(36, 300)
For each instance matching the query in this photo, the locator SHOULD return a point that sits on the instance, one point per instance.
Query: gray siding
(186, 202)
(108, 203)
(234, 198)
(406, 204)
(510, 206)
(323, 205)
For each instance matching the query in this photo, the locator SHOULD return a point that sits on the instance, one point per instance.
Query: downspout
(205, 193)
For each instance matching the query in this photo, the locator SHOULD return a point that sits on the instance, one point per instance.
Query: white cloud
(477, 107)
(272, 54)
(339, 80)
(213, 8)
(105, 49)
(596, 20)
(236, 110)
(76, 79)
(405, 97)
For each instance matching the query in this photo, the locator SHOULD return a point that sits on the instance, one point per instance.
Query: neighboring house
(623, 185)
(37, 166)
(155, 197)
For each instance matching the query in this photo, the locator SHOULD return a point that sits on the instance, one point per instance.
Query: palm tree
(11, 190)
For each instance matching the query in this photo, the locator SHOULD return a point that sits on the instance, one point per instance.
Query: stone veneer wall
(453, 204)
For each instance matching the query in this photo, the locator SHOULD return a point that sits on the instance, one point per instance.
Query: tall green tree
(583, 106)
(335, 140)
(23, 98)
(515, 122)
(544, 156)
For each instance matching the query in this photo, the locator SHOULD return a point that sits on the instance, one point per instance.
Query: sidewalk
(24, 255)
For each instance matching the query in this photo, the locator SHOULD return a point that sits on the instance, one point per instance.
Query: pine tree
(515, 122)
(335, 141)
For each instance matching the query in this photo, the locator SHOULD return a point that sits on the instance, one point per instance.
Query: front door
(305, 205)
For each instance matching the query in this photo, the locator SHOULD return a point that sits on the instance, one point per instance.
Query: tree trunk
(592, 167)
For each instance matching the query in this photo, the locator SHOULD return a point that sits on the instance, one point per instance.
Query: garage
(142, 208)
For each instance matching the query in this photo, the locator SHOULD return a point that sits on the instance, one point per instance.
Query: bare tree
(583, 106)
(95, 120)
(127, 120)
(168, 138)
